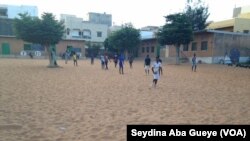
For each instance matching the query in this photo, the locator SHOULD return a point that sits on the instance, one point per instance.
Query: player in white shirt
(157, 71)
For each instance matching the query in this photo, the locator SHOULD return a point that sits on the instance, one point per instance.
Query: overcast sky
(139, 12)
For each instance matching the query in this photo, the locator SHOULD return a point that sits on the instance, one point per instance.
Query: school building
(13, 47)
(149, 44)
(211, 46)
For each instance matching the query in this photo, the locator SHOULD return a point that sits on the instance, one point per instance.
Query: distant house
(239, 23)
(149, 44)
(78, 29)
(12, 11)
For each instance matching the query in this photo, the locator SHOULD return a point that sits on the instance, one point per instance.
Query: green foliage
(176, 31)
(126, 39)
(46, 31)
(93, 49)
(197, 13)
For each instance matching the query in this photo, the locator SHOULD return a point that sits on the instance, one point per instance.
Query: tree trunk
(52, 57)
(177, 54)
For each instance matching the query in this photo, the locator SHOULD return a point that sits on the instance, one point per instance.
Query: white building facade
(78, 29)
(100, 18)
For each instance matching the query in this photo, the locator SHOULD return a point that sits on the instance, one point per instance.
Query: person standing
(102, 61)
(67, 55)
(121, 64)
(75, 59)
(130, 60)
(106, 60)
(147, 62)
(194, 63)
(157, 71)
(92, 58)
(115, 60)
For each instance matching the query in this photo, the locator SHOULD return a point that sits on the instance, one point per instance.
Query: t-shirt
(194, 59)
(115, 58)
(156, 67)
(106, 58)
(102, 58)
(147, 61)
(121, 60)
(74, 57)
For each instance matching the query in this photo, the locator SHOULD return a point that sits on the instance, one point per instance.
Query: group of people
(67, 57)
(156, 67)
(117, 60)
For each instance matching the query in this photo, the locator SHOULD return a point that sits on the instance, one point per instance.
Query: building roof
(221, 24)
(223, 32)
(147, 35)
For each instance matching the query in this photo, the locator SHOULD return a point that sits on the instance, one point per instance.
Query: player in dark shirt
(147, 62)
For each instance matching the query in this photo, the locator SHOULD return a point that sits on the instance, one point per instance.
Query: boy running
(157, 71)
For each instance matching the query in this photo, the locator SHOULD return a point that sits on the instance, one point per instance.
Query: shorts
(194, 64)
(121, 65)
(156, 76)
(147, 67)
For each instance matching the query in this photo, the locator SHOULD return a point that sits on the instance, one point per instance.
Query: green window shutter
(5, 48)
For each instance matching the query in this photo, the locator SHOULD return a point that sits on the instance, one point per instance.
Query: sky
(138, 12)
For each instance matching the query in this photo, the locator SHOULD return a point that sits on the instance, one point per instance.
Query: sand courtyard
(87, 103)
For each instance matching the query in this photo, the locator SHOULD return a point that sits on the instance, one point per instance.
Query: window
(68, 31)
(75, 33)
(147, 49)
(86, 34)
(4, 12)
(245, 31)
(152, 49)
(204, 45)
(143, 49)
(76, 49)
(99, 34)
(194, 46)
(185, 47)
(27, 47)
(37, 47)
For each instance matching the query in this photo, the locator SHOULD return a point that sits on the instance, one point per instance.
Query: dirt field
(86, 103)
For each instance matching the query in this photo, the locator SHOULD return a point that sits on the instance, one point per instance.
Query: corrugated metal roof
(223, 32)
(147, 35)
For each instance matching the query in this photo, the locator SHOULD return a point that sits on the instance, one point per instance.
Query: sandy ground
(86, 103)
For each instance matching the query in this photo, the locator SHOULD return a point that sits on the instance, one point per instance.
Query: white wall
(74, 23)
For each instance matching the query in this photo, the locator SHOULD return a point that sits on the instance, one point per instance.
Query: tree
(177, 31)
(45, 31)
(93, 49)
(125, 39)
(197, 13)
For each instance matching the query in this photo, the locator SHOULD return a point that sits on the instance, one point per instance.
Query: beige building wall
(241, 25)
(17, 45)
(148, 47)
(198, 38)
